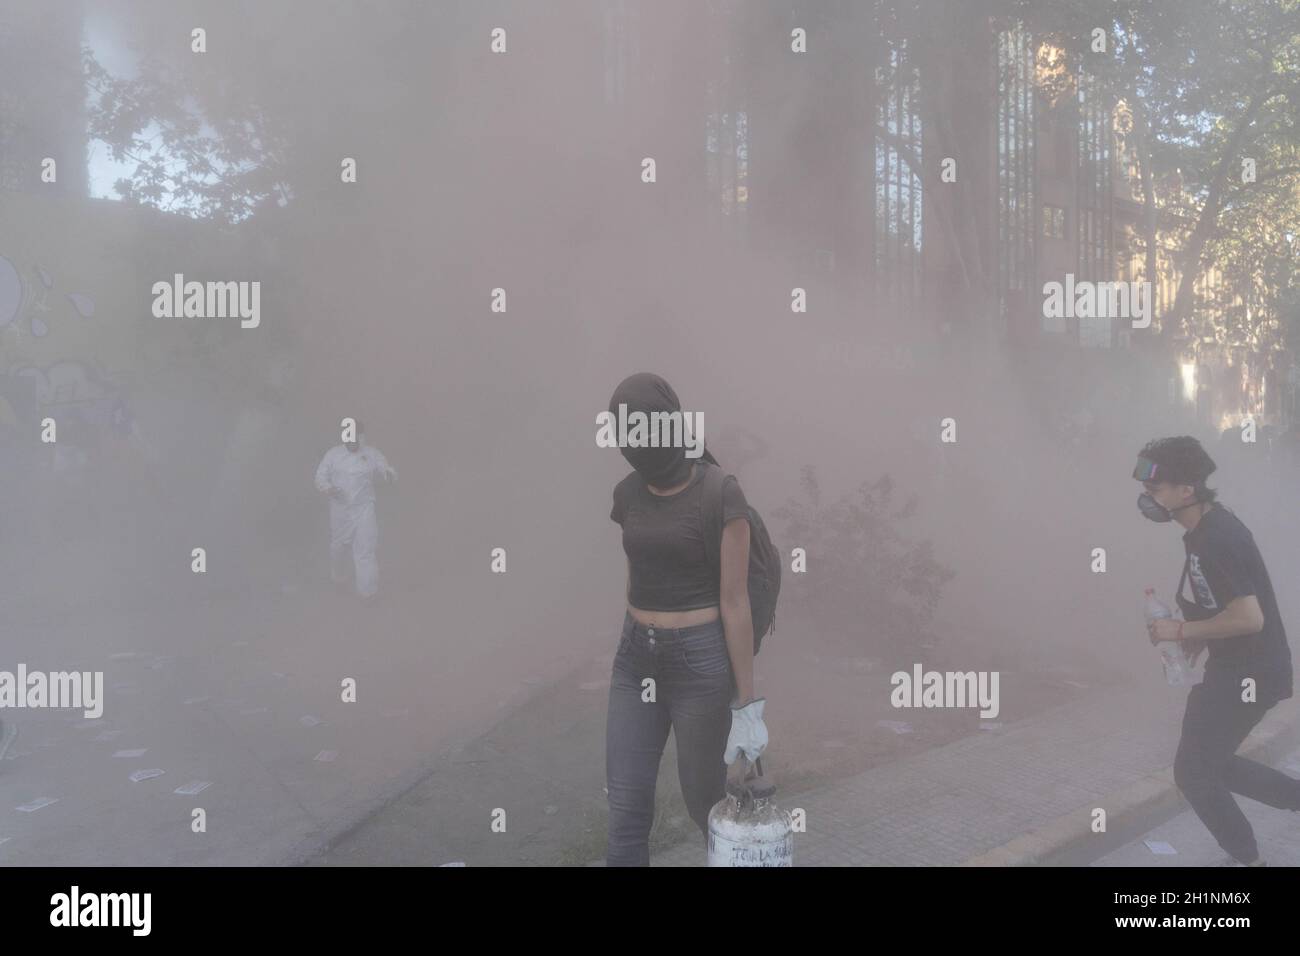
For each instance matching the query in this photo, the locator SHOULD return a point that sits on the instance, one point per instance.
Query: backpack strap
(711, 514)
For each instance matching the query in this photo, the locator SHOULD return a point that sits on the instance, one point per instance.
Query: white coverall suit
(348, 478)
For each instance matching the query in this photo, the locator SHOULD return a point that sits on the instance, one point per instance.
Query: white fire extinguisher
(747, 829)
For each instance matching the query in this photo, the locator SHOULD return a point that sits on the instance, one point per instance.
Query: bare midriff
(699, 615)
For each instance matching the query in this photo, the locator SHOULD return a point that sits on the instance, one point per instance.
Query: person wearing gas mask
(1231, 611)
(687, 628)
(346, 476)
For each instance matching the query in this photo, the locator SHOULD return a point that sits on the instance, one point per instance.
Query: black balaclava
(661, 467)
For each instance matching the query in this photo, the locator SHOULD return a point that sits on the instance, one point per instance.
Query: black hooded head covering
(662, 467)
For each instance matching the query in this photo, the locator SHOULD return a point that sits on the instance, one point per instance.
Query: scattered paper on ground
(37, 804)
(897, 726)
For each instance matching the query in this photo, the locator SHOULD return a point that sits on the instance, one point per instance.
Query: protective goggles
(1146, 470)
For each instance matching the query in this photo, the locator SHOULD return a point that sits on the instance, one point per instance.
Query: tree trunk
(1207, 223)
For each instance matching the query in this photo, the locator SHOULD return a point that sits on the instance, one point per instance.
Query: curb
(329, 833)
(1154, 791)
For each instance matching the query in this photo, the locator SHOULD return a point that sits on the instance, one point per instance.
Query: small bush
(867, 584)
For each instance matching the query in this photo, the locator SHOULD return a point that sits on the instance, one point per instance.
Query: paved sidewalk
(966, 801)
(1276, 831)
(241, 691)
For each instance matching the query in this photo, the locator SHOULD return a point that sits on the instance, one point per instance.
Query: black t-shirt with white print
(1223, 563)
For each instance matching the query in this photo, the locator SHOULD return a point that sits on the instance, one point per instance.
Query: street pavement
(1277, 832)
(242, 691)
(964, 801)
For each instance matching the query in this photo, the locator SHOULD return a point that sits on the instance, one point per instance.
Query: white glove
(748, 732)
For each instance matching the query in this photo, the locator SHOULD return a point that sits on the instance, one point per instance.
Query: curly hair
(1183, 461)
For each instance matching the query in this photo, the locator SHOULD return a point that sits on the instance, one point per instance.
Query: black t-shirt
(1223, 564)
(663, 536)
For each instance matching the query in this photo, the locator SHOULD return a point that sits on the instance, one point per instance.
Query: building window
(1095, 258)
(899, 202)
(1017, 157)
(726, 145)
(1053, 222)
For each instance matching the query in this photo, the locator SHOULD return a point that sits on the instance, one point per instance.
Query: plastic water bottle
(1170, 652)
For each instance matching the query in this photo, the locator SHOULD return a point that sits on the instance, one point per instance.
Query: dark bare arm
(737, 621)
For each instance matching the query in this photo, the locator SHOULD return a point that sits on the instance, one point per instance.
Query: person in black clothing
(687, 632)
(1231, 611)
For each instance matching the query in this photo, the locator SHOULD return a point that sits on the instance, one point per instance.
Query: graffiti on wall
(26, 305)
(86, 403)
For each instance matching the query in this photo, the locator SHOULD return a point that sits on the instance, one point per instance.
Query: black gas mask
(1149, 470)
(1155, 511)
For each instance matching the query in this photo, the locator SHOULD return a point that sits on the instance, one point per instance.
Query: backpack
(764, 560)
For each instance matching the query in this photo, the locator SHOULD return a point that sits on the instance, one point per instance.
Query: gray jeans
(693, 689)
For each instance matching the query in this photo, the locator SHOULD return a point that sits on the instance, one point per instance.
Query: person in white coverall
(346, 474)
